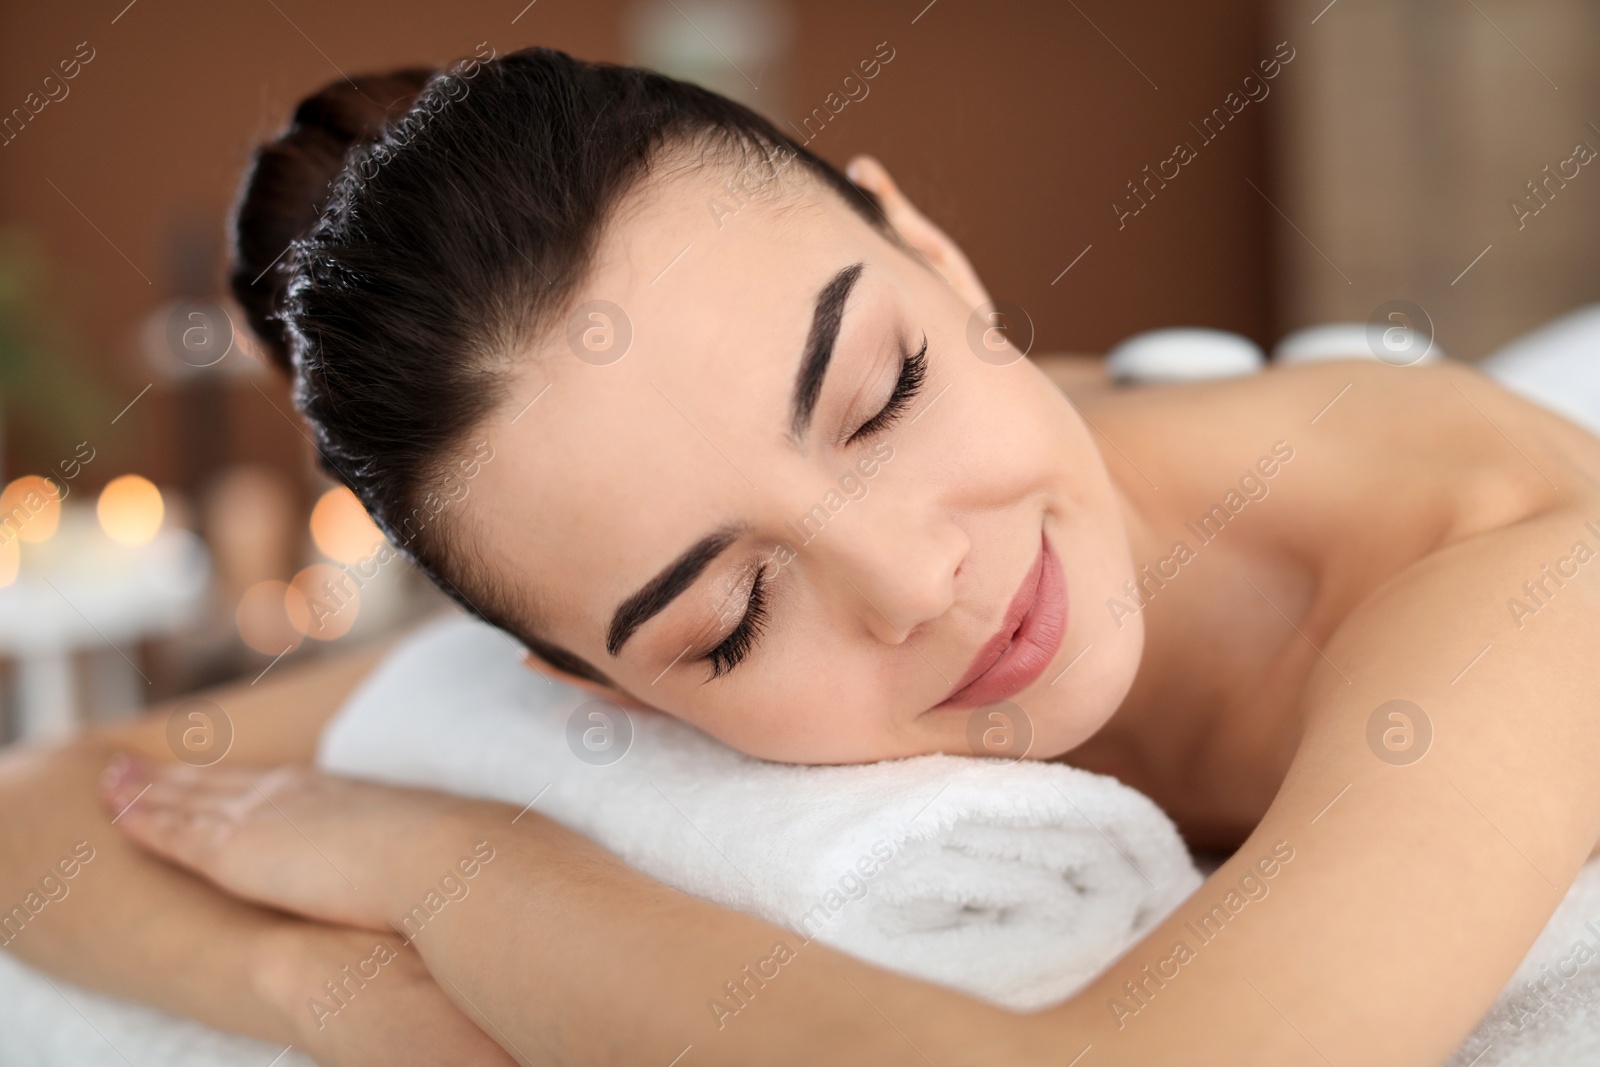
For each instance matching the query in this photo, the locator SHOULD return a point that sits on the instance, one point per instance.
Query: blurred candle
(331, 601)
(271, 617)
(130, 510)
(341, 527)
(30, 508)
(251, 522)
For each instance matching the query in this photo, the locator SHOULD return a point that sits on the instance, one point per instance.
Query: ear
(588, 685)
(920, 233)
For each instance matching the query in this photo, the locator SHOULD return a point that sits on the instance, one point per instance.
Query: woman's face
(730, 489)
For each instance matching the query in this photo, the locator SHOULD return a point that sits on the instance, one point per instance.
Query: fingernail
(853, 170)
(116, 772)
(125, 773)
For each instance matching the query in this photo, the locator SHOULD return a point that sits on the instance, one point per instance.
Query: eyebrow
(654, 596)
(661, 590)
(819, 348)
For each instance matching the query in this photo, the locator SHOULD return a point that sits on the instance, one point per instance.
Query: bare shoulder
(1417, 456)
(1482, 455)
(1415, 403)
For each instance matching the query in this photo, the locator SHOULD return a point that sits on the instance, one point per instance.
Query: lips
(1026, 642)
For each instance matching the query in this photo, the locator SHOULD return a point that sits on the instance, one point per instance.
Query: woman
(592, 346)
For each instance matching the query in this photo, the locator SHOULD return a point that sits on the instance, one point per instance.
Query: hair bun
(289, 183)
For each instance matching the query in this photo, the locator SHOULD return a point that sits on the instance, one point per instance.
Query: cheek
(988, 438)
(1105, 623)
(797, 728)
(811, 699)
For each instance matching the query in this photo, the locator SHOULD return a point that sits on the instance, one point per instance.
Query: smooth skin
(1418, 500)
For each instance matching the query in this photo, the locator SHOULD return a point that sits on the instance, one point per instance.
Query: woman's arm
(132, 925)
(1372, 917)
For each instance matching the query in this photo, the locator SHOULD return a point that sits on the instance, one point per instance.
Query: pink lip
(1027, 641)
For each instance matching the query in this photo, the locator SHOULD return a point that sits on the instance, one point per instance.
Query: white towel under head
(1017, 883)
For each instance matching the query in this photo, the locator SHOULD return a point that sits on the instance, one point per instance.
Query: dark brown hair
(409, 231)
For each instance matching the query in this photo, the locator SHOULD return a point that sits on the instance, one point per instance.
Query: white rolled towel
(1016, 882)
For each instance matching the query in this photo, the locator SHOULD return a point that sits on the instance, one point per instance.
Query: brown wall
(1413, 131)
(1015, 125)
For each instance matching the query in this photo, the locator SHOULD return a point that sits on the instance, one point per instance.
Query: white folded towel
(1017, 883)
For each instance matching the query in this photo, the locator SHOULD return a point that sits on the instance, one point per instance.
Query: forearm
(560, 951)
(123, 922)
(569, 954)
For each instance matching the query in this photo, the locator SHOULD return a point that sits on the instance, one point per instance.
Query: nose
(893, 564)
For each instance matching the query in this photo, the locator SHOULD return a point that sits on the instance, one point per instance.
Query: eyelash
(737, 645)
(913, 371)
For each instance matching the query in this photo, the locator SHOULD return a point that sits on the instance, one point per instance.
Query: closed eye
(913, 371)
(737, 645)
(734, 648)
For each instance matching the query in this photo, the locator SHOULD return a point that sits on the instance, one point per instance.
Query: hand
(335, 849)
(384, 1007)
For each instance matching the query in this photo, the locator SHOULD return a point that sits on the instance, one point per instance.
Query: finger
(233, 804)
(127, 776)
(206, 779)
(187, 837)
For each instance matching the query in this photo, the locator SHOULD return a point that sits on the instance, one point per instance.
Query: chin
(1082, 701)
(1053, 739)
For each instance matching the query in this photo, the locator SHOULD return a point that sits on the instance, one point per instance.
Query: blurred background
(1253, 166)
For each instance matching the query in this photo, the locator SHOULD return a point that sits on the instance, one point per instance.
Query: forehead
(655, 414)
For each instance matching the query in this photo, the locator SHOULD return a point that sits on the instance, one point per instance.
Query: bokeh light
(341, 527)
(329, 602)
(10, 559)
(266, 617)
(130, 510)
(31, 507)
